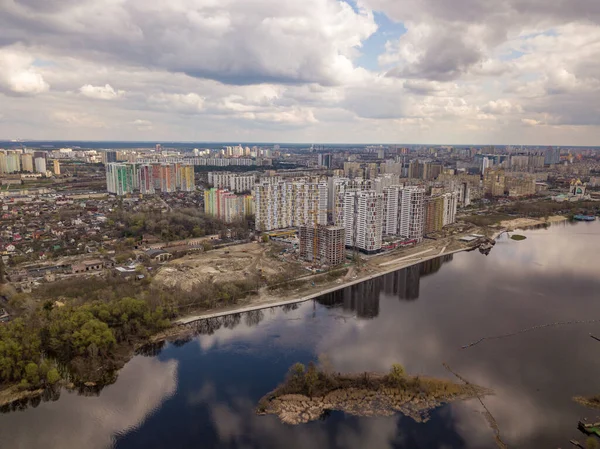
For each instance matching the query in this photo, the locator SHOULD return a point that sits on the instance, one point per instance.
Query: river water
(201, 393)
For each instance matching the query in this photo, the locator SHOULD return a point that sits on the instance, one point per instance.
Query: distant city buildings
(234, 182)
(126, 178)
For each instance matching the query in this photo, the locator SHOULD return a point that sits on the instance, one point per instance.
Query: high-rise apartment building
(552, 156)
(232, 181)
(40, 165)
(450, 208)
(109, 157)
(13, 162)
(185, 178)
(412, 213)
(363, 220)
(27, 162)
(226, 205)
(494, 182)
(56, 166)
(168, 178)
(390, 210)
(324, 160)
(322, 244)
(285, 204)
(146, 182)
(434, 214)
(119, 178)
(3, 164)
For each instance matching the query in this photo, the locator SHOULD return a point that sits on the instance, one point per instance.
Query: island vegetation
(517, 237)
(591, 402)
(309, 393)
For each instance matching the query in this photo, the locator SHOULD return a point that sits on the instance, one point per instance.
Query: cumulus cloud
(231, 41)
(18, 76)
(106, 92)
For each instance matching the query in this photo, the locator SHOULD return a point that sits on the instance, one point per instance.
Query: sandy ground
(222, 265)
(519, 223)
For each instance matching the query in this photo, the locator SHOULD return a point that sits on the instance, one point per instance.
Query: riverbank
(372, 272)
(375, 266)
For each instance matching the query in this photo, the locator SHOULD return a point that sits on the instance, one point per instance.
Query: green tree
(32, 374)
(591, 443)
(265, 238)
(53, 376)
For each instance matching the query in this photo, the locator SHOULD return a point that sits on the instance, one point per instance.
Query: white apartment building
(363, 220)
(40, 165)
(386, 180)
(274, 206)
(450, 207)
(390, 210)
(338, 188)
(293, 203)
(412, 213)
(232, 181)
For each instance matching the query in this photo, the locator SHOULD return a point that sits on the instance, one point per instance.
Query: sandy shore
(521, 223)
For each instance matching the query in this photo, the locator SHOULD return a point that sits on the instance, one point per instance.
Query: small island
(308, 394)
(517, 237)
(591, 402)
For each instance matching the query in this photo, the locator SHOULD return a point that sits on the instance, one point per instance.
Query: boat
(584, 217)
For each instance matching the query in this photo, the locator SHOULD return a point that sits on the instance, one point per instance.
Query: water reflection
(552, 276)
(363, 299)
(74, 422)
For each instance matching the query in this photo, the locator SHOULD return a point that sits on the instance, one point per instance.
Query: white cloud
(142, 125)
(106, 92)
(465, 71)
(17, 74)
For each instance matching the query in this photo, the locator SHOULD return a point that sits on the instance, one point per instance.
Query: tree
(591, 443)
(311, 377)
(397, 374)
(32, 374)
(53, 376)
(265, 238)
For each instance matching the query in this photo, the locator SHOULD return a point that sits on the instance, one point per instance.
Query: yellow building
(434, 214)
(494, 182)
(56, 167)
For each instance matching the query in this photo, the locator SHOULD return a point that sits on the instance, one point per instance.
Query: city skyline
(319, 71)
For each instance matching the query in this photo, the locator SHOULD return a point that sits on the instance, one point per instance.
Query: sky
(313, 71)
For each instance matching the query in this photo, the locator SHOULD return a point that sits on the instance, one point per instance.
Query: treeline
(177, 225)
(79, 343)
(547, 208)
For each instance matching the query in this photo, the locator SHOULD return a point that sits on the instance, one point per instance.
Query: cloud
(464, 71)
(18, 76)
(231, 41)
(106, 92)
(142, 125)
(78, 119)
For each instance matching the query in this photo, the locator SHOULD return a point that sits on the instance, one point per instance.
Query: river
(201, 393)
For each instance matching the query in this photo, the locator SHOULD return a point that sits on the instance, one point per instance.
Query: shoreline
(301, 299)
(399, 264)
